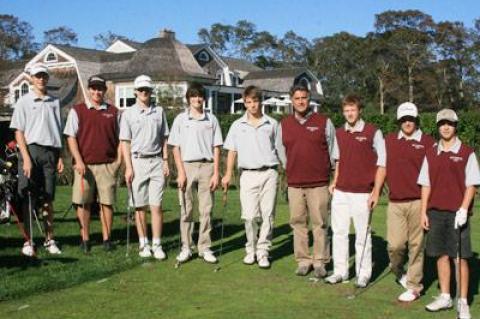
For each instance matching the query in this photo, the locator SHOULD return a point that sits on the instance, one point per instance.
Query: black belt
(140, 155)
(203, 160)
(260, 169)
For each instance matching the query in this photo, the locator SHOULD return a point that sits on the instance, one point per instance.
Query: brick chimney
(167, 34)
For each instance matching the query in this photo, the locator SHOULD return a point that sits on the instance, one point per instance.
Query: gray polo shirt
(195, 137)
(255, 146)
(71, 126)
(329, 135)
(472, 171)
(39, 119)
(378, 142)
(145, 128)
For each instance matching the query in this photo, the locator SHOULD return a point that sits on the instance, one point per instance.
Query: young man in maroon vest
(356, 187)
(92, 131)
(449, 176)
(405, 151)
(305, 144)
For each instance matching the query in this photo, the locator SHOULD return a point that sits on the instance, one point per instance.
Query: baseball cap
(96, 80)
(447, 115)
(38, 68)
(407, 109)
(143, 81)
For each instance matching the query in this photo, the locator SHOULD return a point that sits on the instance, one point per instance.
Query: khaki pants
(305, 203)
(404, 232)
(99, 177)
(258, 190)
(198, 179)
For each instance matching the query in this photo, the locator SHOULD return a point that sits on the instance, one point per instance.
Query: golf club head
(217, 269)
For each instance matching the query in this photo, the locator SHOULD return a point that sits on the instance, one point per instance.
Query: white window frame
(203, 56)
(50, 61)
(22, 86)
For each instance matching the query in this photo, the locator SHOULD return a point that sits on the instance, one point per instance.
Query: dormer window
(305, 82)
(24, 89)
(51, 57)
(203, 57)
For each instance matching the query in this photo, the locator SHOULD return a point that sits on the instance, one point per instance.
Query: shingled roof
(241, 65)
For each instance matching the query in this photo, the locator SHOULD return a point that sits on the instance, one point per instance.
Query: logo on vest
(312, 128)
(418, 146)
(361, 139)
(456, 159)
(107, 115)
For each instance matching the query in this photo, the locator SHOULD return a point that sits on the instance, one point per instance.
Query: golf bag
(8, 182)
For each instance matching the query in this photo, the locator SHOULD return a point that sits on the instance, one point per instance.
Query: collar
(90, 106)
(454, 149)
(305, 118)
(151, 109)
(36, 98)
(203, 118)
(417, 135)
(359, 126)
(264, 119)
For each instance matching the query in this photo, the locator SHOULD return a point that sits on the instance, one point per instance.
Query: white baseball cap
(38, 68)
(407, 109)
(447, 115)
(143, 81)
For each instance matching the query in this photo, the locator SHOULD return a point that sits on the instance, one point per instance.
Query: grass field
(109, 285)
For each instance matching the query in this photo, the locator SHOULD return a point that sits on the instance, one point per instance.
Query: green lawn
(109, 285)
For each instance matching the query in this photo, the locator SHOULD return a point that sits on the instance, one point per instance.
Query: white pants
(346, 206)
(257, 196)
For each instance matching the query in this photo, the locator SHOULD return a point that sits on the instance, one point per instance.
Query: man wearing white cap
(38, 132)
(405, 151)
(449, 177)
(143, 135)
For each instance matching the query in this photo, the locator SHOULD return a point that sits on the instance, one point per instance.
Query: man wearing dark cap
(92, 131)
(449, 177)
(38, 131)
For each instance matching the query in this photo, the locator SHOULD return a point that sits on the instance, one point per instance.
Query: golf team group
(431, 184)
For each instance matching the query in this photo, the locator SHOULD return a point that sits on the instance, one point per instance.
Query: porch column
(232, 104)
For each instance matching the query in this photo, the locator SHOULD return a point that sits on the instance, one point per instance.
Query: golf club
(358, 292)
(129, 213)
(181, 195)
(224, 208)
(458, 273)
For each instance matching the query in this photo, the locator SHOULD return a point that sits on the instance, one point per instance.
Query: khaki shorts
(98, 177)
(148, 181)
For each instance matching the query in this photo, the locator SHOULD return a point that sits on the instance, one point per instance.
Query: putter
(80, 220)
(129, 212)
(369, 228)
(458, 272)
(224, 208)
(182, 206)
(34, 213)
(357, 292)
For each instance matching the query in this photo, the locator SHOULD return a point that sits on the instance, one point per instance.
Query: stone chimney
(167, 34)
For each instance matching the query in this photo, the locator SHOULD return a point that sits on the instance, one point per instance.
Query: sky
(142, 19)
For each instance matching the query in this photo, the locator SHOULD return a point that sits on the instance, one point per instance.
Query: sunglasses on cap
(41, 75)
(144, 90)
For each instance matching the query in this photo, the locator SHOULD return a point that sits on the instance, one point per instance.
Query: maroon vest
(358, 160)
(447, 178)
(404, 160)
(97, 134)
(308, 160)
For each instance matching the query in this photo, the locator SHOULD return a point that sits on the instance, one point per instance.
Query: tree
(60, 35)
(293, 48)
(104, 40)
(16, 39)
(219, 37)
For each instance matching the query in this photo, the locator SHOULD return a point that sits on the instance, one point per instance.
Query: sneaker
(145, 251)
(249, 259)
(441, 302)
(463, 309)
(51, 247)
(184, 255)
(408, 296)
(302, 270)
(263, 262)
(402, 281)
(362, 282)
(108, 245)
(85, 246)
(334, 279)
(319, 272)
(158, 252)
(208, 256)
(28, 249)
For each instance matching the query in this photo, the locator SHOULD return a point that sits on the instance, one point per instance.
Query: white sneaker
(249, 259)
(263, 262)
(158, 252)
(51, 247)
(362, 282)
(408, 296)
(145, 251)
(334, 279)
(441, 302)
(184, 255)
(463, 309)
(28, 249)
(208, 256)
(403, 281)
